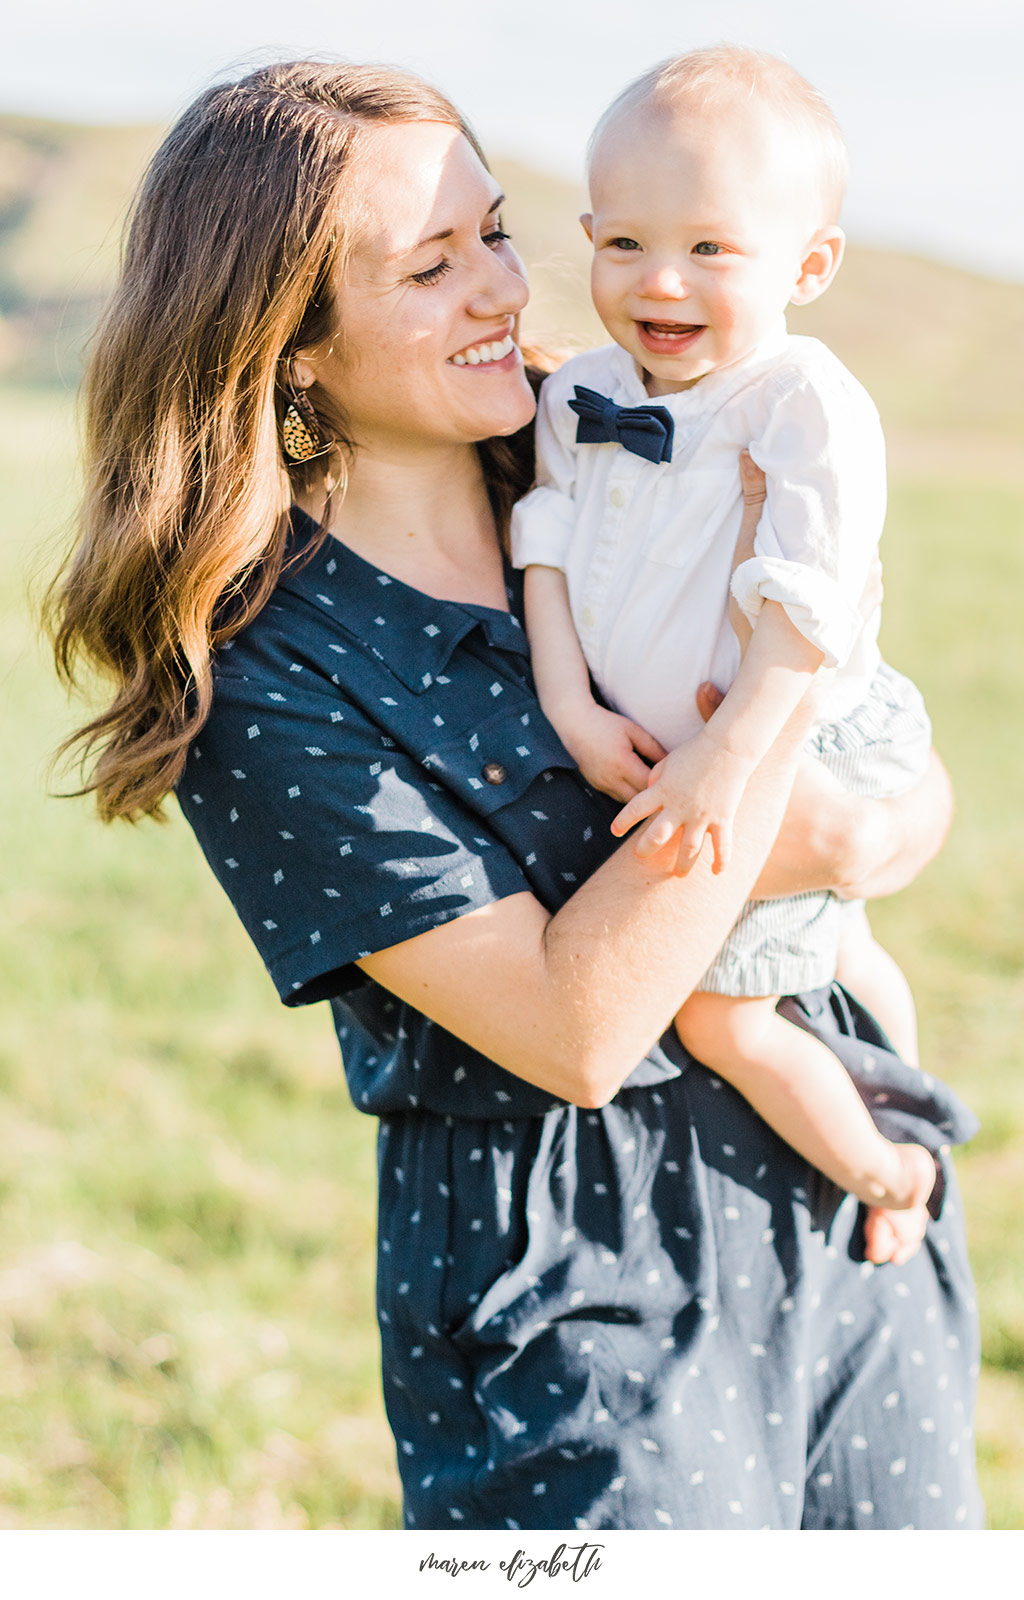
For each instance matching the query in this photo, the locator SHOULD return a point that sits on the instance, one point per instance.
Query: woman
(609, 1296)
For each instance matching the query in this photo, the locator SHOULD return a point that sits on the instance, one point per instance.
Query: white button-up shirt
(647, 548)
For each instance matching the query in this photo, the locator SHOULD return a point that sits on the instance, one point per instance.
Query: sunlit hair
(237, 233)
(714, 79)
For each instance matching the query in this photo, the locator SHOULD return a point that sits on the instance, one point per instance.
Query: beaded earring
(301, 438)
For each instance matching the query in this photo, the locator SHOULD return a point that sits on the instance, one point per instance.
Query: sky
(930, 93)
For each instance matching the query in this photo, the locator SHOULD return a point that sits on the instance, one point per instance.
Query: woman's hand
(860, 849)
(755, 492)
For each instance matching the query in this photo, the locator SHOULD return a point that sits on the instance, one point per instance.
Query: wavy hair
(235, 235)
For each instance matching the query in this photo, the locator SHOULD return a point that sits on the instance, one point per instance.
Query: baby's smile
(669, 338)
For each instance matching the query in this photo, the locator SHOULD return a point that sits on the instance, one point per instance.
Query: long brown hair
(235, 233)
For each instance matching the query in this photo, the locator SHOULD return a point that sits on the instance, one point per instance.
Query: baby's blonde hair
(723, 74)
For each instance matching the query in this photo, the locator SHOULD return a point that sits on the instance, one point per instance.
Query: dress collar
(414, 634)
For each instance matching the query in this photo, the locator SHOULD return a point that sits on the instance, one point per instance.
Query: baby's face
(702, 227)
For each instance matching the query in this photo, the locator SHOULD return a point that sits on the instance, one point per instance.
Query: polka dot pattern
(647, 1316)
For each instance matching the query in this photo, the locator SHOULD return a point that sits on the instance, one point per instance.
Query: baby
(715, 183)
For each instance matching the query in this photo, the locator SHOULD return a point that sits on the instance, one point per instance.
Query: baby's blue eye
(706, 248)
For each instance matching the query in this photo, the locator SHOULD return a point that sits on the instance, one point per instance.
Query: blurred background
(186, 1197)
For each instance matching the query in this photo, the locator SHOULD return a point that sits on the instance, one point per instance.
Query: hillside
(940, 349)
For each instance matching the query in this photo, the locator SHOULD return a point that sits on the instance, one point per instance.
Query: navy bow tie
(645, 430)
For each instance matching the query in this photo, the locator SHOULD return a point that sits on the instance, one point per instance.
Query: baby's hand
(695, 792)
(608, 748)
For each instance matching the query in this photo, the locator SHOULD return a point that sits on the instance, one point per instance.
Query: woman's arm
(572, 1002)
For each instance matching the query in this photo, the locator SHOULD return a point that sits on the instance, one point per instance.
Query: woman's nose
(503, 290)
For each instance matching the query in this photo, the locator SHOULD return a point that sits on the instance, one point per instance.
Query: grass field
(186, 1197)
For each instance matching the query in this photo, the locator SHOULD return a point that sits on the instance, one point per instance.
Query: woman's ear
(301, 372)
(819, 265)
(587, 224)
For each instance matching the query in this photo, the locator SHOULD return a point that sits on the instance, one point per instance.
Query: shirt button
(618, 497)
(494, 772)
(588, 619)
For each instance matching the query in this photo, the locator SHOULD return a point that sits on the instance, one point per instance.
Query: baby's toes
(879, 1235)
(893, 1235)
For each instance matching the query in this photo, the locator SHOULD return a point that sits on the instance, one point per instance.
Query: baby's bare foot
(919, 1174)
(893, 1235)
(904, 1178)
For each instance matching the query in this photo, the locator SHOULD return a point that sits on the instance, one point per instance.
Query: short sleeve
(330, 841)
(823, 455)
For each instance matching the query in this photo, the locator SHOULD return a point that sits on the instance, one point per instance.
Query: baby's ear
(819, 265)
(587, 224)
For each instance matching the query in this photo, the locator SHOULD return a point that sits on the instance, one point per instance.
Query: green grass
(186, 1198)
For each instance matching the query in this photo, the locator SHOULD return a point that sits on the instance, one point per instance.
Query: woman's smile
(484, 354)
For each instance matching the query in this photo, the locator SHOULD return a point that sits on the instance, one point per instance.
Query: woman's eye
(432, 274)
(496, 236)
(707, 248)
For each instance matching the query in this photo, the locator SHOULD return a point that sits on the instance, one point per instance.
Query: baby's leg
(871, 974)
(802, 1091)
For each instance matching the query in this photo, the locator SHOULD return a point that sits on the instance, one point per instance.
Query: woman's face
(429, 302)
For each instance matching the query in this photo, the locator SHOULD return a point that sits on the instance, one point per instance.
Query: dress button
(494, 772)
(618, 497)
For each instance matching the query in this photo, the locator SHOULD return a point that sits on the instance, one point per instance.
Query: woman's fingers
(754, 486)
(709, 698)
(752, 480)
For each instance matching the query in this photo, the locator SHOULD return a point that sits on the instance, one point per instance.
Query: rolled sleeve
(823, 455)
(815, 603)
(542, 526)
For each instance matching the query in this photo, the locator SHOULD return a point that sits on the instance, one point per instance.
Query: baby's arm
(697, 788)
(606, 747)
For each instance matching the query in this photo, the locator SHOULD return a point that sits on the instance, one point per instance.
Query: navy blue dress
(654, 1315)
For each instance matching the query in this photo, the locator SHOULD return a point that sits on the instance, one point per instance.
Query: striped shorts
(787, 946)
